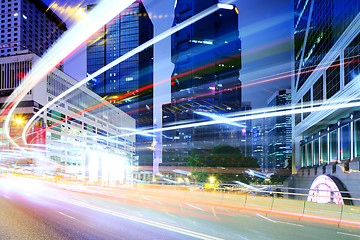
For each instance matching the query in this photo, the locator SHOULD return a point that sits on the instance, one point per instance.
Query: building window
(333, 79)
(308, 154)
(298, 115)
(323, 149)
(303, 153)
(306, 103)
(333, 146)
(345, 142)
(318, 91)
(352, 65)
(316, 152)
(357, 138)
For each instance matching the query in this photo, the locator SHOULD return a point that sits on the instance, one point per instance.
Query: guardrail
(265, 201)
(271, 204)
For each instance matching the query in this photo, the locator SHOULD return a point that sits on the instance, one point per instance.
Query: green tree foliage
(223, 156)
(280, 176)
(228, 178)
(195, 160)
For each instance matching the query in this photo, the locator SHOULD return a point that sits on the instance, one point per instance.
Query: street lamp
(19, 121)
(212, 179)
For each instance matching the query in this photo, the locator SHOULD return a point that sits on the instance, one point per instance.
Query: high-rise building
(83, 145)
(179, 144)
(278, 134)
(125, 32)
(326, 54)
(205, 81)
(258, 143)
(28, 25)
(77, 144)
(207, 54)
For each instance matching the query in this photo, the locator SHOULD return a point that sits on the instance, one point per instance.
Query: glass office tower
(207, 60)
(125, 32)
(278, 136)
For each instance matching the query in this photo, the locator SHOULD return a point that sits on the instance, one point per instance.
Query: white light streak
(225, 6)
(217, 117)
(68, 43)
(249, 115)
(129, 54)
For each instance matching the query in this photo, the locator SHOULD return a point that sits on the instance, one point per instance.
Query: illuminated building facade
(278, 135)
(207, 59)
(179, 144)
(28, 25)
(90, 144)
(258, 143)
(125, 32)
(326, 54)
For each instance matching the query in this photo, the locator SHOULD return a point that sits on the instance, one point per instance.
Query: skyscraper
(207, 61)
(125, 32)
(28, 25)
(278, 135)
(258, 142)
(206, 54)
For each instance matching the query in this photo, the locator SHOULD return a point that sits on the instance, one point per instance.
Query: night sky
(265, 32)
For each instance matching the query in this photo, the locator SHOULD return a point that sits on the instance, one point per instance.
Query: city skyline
(261, 34)
(227, 120)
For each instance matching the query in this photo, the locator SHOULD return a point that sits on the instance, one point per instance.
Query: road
(30, 209)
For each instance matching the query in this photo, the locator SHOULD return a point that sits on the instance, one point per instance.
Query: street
(31, 209)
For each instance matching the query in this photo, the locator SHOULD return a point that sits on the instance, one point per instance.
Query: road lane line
(151, 223)
(266, 218)
(349, 234)
(213, 211)
(195, 207)
(66, 215)
(298, 225)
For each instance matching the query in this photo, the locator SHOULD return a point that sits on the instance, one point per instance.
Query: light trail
(304, 105)
(248, 116)
(227, 89)
(219, 117)
(255, 81)
(149, 222)
(252, 83)
(129, 54)
(66, 45)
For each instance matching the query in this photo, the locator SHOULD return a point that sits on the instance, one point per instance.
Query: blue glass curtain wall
(339, 142)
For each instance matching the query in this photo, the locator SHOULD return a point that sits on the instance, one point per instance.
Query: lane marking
(349, 234)
(266, 218)
(213, 211)
(294, 224)
(66, 215)
(151, 223)
(194, 207)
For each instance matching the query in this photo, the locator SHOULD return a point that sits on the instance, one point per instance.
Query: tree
(195, 160)
(223, 156)
(280, 176)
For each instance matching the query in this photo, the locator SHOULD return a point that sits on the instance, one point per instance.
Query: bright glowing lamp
(81, 13)
(19, 121)
(225, 6)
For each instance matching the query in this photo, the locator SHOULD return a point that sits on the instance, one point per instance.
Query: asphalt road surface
(30, 209)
